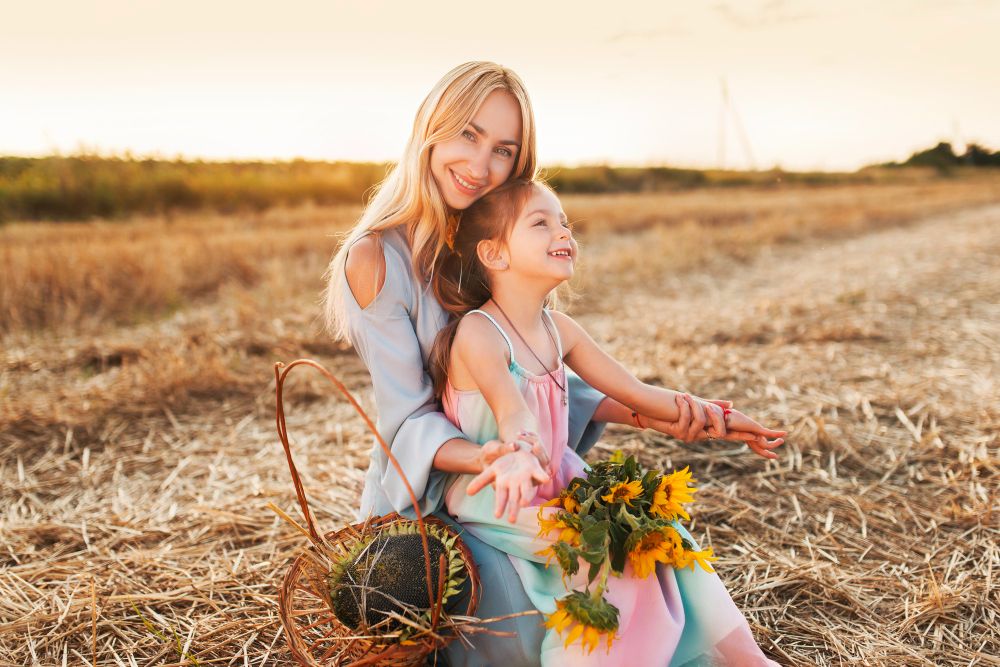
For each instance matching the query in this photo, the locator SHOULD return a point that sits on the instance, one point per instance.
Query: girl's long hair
(461, 282)
(409, 195)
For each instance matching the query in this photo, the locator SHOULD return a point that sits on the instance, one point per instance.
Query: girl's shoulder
(477, 334)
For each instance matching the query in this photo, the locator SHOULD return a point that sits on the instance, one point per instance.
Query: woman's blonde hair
(409, 194)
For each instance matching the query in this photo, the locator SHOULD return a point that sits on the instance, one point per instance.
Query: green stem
(602, 582)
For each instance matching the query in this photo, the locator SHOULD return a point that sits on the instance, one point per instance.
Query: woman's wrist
(460, 456)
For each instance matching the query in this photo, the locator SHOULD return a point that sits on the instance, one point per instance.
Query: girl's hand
(743, 429)
(514, 477)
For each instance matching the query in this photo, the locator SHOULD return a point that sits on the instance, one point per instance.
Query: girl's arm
(601, 371)
(479, 361)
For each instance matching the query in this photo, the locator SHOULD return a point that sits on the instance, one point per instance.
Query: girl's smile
(541, 242)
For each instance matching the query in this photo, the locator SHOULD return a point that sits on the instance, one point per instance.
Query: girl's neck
(524, 310)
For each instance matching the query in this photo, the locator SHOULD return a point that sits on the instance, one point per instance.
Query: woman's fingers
(716, 420)
(698, 419)
(683, 423)
(721, 404)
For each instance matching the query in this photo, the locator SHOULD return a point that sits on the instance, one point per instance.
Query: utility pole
(744, 141)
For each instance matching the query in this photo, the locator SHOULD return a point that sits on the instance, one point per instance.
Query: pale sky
(817, 85)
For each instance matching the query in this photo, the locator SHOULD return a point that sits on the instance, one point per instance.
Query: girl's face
(482, 156)
(541, 243)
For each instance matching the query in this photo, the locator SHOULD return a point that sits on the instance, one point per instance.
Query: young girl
(499, 367)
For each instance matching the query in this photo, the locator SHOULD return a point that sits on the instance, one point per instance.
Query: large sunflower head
(673, 490)
(585, 618)
(623, 491)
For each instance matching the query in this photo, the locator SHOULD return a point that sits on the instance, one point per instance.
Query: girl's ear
(492, 255)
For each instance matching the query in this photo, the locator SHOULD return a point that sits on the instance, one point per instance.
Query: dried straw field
(138, 448)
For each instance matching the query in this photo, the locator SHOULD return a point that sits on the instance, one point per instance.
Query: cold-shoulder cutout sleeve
(365, 269)
(391, 335)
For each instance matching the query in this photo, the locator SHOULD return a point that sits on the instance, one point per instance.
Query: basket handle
(279, 377)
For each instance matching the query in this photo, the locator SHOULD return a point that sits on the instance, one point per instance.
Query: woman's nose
(479, 166)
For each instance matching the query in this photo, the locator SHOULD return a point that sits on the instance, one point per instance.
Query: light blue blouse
(394, 335)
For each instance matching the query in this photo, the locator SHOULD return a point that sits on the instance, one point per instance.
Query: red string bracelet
(638, 424)
(725, 414)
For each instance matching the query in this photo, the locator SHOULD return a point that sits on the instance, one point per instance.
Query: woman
(473, 131)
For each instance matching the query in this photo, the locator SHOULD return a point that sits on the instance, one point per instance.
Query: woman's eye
(505, 152)
(468, 135)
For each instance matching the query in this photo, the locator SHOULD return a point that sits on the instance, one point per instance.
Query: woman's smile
(467, 188)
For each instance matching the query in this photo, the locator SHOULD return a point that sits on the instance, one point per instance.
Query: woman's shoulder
(370, 259)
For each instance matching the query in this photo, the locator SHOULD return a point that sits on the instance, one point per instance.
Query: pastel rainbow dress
(677, 617)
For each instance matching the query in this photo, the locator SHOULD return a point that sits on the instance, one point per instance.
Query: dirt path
(872, 539)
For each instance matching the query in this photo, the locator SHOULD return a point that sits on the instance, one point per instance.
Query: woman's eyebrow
(486, 135)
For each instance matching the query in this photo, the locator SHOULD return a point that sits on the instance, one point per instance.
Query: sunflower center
(650, 542)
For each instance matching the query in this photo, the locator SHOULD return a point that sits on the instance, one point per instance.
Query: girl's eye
(540, 222)
(568, 224)
(505, 152)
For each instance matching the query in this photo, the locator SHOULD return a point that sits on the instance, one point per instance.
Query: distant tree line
(79, 187)
(944, 158)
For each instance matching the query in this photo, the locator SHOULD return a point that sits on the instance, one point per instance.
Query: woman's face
(483, 155)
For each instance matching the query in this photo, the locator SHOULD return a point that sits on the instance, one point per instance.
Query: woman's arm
(409, 418)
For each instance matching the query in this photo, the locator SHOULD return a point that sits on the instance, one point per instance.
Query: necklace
(562, 388)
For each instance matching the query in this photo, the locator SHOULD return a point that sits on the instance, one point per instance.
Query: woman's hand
(527, 441)
(692, 422)
(514, 476)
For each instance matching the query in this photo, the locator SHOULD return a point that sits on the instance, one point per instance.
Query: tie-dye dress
(677, 617)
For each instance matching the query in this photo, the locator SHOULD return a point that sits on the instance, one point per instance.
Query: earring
(504, 265)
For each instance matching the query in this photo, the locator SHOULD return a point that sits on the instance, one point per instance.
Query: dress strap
(555, 332)
(500, 329)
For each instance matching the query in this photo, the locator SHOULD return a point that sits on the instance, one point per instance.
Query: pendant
(564, 399)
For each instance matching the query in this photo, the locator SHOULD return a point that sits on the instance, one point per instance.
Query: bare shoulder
(569, 330)
(477, 337)
(365, 269)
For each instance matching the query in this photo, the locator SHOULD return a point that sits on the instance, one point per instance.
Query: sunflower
(650, 548)
(566, 500)
(689, 558)
(671, 492)
(623, 491)
(589, 620)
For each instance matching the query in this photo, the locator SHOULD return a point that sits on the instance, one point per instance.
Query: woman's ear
(492, 255)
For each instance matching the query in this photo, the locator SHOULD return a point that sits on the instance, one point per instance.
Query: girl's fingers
(740, 436)
(527, 492)
(481, 481)
(501, 502)
(514, 503)
(721, 404)
(541, 476)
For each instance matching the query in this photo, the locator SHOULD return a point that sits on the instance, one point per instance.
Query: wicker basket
(315, 636)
